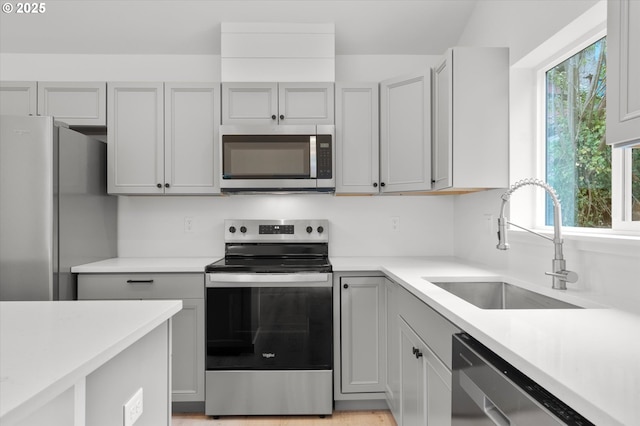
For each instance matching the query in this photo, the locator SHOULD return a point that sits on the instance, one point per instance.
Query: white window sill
(606, 242)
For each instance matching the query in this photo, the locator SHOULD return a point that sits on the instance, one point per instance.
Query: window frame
(620, 158)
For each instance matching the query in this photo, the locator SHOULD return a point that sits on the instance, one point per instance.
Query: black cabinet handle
(273, 117)
(375, 184)
(382, 184)
(281, 117)
(346, 286)
(166, 185)
(417, 353)
(159, 185)
(139, 281)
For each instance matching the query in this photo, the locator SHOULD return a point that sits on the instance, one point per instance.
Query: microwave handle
(313, 155)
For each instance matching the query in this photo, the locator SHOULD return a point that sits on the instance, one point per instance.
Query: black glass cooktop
(272, 258)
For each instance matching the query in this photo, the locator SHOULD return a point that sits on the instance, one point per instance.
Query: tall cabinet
(623, 73)
(162, 138)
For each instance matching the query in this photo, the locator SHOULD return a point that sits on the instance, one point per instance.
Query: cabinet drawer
(140, 286)
(429, 325)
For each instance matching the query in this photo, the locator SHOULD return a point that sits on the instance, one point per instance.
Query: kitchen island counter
(55, 354)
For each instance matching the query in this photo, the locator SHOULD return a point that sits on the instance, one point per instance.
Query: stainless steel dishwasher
(487, 390)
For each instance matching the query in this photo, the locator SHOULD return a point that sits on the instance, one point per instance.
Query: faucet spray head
(502, 234)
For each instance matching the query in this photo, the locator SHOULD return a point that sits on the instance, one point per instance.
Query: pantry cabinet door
(192, 117)
(405, 133)
(135, 138)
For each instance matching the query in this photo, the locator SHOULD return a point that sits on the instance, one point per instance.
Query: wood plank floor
(348, 418)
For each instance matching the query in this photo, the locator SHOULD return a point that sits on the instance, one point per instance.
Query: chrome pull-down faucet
(559, 275)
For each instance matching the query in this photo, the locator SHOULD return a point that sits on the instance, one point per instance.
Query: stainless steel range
(269, 331)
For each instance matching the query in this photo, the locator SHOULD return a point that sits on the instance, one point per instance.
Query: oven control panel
(255, 230)
(276, 229)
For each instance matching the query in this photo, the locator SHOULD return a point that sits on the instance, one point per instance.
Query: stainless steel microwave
(277, 158)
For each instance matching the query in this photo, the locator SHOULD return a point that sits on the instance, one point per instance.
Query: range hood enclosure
(291, 52)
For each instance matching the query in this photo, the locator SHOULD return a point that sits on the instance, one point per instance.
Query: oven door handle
(269, 280)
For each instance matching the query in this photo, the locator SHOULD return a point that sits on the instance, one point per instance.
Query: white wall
(609, 268)
(359, 226)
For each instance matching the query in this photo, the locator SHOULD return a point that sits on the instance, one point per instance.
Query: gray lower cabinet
(362, 333)
(187, 378)
(418, 387)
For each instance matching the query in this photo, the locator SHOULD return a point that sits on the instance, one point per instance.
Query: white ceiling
(421, 27)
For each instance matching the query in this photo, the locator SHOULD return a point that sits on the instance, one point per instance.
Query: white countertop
(130, 265)
(589, 358)
(46, 347)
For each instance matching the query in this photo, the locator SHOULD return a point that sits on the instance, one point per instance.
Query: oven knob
(320, 229)
(309, 229)
(243, 229)
(232, 229)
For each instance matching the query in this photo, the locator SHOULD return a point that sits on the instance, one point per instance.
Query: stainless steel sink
(501, 295)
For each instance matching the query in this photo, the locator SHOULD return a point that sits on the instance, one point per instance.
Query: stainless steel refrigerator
(54, 209)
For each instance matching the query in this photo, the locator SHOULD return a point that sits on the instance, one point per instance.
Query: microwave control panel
(324, 157)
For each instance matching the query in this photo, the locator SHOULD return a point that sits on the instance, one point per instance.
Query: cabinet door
(363, 334)
(442, 153)
(18, 97)
(623, 72)
(188, 352)
(413, 369)
(249, 103)
(81, 103)
(426, 382)
(192, 117)
(135, 136)
(392, 383)
(405, 133)
(305, 103)
(357, 141)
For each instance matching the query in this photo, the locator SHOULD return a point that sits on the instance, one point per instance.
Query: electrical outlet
(188, 224)
(395, 224)
(133, 409)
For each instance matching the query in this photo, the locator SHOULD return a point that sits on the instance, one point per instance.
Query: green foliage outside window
(578, 160)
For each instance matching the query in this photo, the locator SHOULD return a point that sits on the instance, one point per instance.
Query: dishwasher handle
(476, 394)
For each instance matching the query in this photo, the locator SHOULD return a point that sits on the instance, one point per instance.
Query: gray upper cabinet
(357, 141)
(74, 103)
(18, 97)
(277, 103)
(135, 138)
(623, 73)
(162, 138)
(192, 117)
(405, 133)
(471, 119)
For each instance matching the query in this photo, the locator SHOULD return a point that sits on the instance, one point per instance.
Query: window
(583, 169)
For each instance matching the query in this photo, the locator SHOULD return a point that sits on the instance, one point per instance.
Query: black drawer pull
(139, 281)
